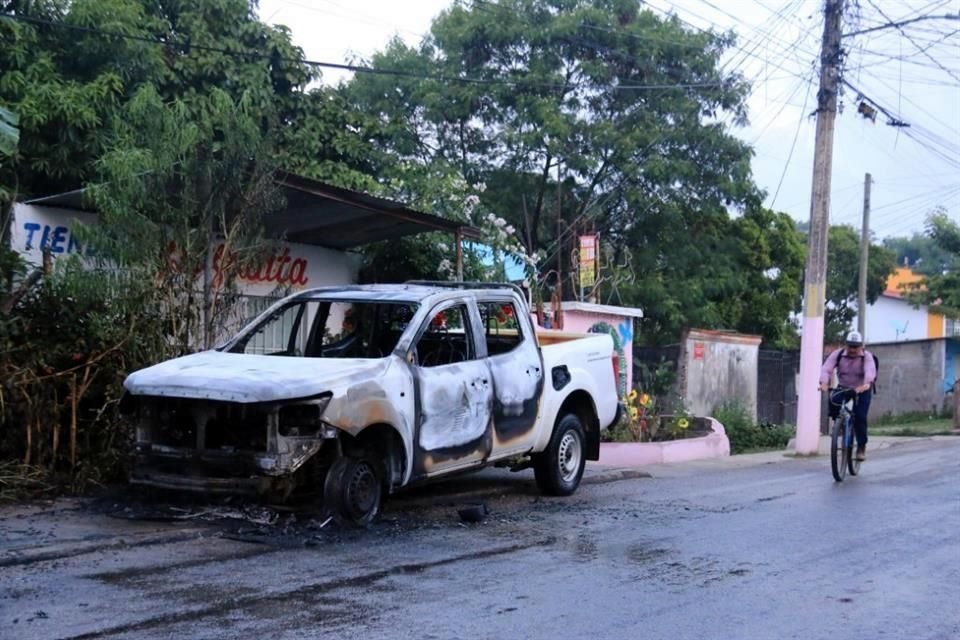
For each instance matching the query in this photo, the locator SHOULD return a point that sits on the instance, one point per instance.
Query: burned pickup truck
(351, 393)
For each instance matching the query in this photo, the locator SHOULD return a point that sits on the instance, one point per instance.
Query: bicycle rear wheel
(852, 463)
(839, 452)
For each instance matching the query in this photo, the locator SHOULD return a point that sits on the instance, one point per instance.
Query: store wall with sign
(290, 267)
(717, 367)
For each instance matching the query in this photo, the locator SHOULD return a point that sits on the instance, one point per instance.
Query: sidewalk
(874, 443)
(739, 461)
(491, 481)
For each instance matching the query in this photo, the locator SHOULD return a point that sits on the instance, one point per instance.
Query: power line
(890, 24)
(188, 46)
(803, 81)
(793, 146)
(916, 217)
(907, 36)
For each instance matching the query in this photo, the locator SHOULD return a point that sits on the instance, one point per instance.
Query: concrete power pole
(864, 260)
(814, 294)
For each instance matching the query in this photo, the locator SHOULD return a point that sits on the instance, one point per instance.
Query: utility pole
(864, 260)
(814, 294)
(559, 234)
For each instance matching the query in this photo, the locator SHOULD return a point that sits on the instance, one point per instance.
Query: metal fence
(776, 378)
(777, 386)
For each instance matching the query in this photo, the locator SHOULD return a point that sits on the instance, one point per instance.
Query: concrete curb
(614, 475)
(489, 489)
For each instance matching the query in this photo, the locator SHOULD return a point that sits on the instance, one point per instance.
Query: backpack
(876, 365)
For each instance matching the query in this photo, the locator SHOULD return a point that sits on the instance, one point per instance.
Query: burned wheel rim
(362, 491)
(569, 454)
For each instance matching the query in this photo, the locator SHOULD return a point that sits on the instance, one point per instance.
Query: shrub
(745, 435)
(67, 344)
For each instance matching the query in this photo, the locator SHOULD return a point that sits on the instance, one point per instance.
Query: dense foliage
(584, 116)
(70, 68)
(921, 252)
(942, 288)
(179, 192)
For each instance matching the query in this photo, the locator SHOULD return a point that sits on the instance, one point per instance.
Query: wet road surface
(718, 550)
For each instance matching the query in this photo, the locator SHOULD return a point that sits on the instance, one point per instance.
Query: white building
(891, 318)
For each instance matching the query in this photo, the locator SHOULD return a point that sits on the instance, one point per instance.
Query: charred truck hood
(244, 378)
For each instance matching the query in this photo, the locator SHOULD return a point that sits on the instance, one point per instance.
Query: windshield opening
(328, 329)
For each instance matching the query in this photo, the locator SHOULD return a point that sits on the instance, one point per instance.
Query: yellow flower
(632, 395)
(634, 414)
(645, 400)
(683, 423)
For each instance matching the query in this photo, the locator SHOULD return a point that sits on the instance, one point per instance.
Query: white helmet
(854, 339)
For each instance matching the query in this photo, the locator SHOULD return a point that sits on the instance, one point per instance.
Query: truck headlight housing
(302, 418)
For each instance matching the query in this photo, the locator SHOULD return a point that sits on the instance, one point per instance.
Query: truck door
(454, 392)
(516, 368)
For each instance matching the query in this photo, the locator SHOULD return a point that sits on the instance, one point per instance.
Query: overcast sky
(912, 72)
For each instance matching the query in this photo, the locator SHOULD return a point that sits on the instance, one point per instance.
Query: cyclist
(857, 370)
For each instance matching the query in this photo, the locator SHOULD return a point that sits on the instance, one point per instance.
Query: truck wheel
(353, 490)
(559, 468)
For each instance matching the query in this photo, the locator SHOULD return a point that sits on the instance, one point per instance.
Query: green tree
(12, 266)
(768, 272)
(65, 88)
(941, 289)
(181, 197)
(66, 346)
(920, 252)
(843, 269)
(69, 69)
(752, 284)
(629, 110)
(9, 133)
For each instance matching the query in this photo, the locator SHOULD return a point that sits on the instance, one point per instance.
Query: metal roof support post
(458, 238)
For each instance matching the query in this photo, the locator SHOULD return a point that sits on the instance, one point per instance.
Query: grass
(915, 428)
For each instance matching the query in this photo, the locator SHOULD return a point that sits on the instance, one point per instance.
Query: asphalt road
(746, 548)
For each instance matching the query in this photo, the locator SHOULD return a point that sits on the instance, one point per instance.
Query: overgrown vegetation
(745, 435)
(177, 181)
(182, 194)
(67, 347)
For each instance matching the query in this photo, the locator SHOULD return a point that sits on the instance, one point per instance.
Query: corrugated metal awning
(321, 214)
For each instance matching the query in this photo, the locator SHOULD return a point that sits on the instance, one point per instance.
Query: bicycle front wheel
(838, 449)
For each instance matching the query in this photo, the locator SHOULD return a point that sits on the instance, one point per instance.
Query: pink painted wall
(640, 454)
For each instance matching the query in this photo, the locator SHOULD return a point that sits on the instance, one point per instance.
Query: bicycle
(842, 458)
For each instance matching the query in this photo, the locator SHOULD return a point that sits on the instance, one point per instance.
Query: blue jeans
(861, 406)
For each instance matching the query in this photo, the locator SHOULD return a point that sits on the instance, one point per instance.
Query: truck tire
(353, 490)
(559, 468)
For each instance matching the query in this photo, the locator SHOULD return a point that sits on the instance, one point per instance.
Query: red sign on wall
(698, 350)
